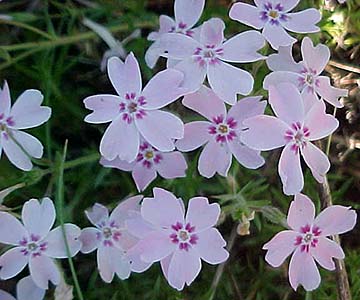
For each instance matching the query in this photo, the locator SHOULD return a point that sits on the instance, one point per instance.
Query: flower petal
(330, 93)
(12, 262)
(195, 135)
(246, 156)
(97, 214)
(166, 24)
(6, 296)
(278, 77)
(284, 61)
(177, 45)
(315, 58)
(137, 264)
(160, 128)
(89, 239)
(27, 111)
(246, 108)
(264, 133)
(125, 77)
(214, 158)
(277, 36)
(165, 263)
(247, 14)
(43, 270)
(120, 139)
(325, 251)
(290, 171)
(172, 165)
(201, 214)
(280, 247)
(5, 100)
(316, 160)
(188, 12)
(303, 271)
(118, 164)
(105, 108)
(303, 21)
(138, 227)
(11, 230)
(289, 4)
(212, 32)
(227, 81)
(301, 212)
(143, 176)
(194, 73)
(210, 246)
(26, 289)
(336, 219)
(125, 208)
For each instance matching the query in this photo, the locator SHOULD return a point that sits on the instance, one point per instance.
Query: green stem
(308, 296)
(26, 26)
(328, 145)
(81, 161)
(18, 58)
(60, 206)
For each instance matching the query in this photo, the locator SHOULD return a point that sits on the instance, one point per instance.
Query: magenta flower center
(297, 135)
(131, 107)
(273, 13)
(148, 156)
(110, 233)
(32, 246)
(5, 122)
(308, 80)
(223, 130)
(181, 28)
(308, 238)
(183, 236)
(208, 54)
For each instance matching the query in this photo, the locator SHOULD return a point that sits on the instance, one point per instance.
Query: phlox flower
(307, 240)
(35, 244)
(220, 133)
(210, 56)
(26, 113)
(26, 289)
(177, 240)
(295, 129)
(305, 74)
(111, 239)
(274, 18)
(148, 163)
(135, 112)
(187, 14)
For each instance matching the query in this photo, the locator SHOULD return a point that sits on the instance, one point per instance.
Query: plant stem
(308, 296)
(81, 161)
(26, 26)
(60, 206)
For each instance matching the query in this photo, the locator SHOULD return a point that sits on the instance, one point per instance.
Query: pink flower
(148, 163)
(274, 18)
(209, 57)
(135, 112)
(111, 239)
(34, 243)
(295, 129)
(305, 74)
(307, 240)
(221, 133)
(179, 242)
(187, 14)
(26, 113)
(26, 289)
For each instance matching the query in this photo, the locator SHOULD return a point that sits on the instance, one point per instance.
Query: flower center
(298, 135)
(223, 130)
(308, 238)
(110, 233)
(209, 54)
(32, 246)
(308, 80)
(131, 107)
(273, 13)
(183, 236)
(107, 232)
(148, 155)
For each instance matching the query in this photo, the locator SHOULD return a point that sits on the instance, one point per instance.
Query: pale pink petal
(303, 271)
(42, 270)
(194, 73)
(120, 139)
(212, 32)
(118, 164)
(105, 108)
(243, 47)
(303, 21)
(247, 14)
(138, 227)
(160, 128)
(27, 111)
(165, 263)
(195, 135)
(56, 247)
(325, 251)
(5, 100)
(154, 52)
(172, 165)
(125, 77)
(316, 160)
(290, 171)
(31, 144)
(6, 296)
(301, 212)
(89, 239)
(97, 214)
(277, 77)
(286, 102)
(246, 108)
(206, 103)
(126, 207)
(12, 262)
(280, 247)
(163, 210)
(336, 219)
(227, 81)
(277, 36)
(37, 217)
(288, 4)
(180, 273)
(315, 58)
(11, 230)
(201, 214)
(26, 289)
(309, 99)
(166, 24)
(264, 133)
(214, 158)
(330, 93)
(188, 12)
(156, 96)
(284, 61)
(319, 123)
(137, 265)
(210, 246)
(246, 156)
(143, 176)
